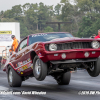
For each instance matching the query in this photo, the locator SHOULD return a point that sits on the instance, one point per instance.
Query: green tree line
(84, 15)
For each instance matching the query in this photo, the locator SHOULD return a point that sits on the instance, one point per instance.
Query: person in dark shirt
(93, 36)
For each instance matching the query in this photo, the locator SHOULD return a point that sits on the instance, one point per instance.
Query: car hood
(71, 39)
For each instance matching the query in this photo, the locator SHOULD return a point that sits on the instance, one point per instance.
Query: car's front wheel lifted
(39, 69)
(64, 79)
(14, 79)
(94, 68)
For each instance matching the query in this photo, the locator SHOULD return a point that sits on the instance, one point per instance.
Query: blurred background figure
(93, 36)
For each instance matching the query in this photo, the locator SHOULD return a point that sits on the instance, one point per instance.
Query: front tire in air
(39, 69)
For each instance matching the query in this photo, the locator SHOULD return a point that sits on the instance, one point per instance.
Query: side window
(22, 45)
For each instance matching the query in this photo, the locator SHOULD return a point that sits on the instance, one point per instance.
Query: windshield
(47, 37)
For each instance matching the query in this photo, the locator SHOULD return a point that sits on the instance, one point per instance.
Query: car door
(22, 60)
(20, 54)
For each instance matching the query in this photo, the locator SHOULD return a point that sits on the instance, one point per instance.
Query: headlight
(52, 47)
(95, 44)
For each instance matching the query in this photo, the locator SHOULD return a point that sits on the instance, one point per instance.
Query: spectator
(93, 36)
(14, 44)
(98, 36)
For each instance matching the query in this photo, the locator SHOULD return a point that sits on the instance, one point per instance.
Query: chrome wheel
(38, 67)
(10, 76)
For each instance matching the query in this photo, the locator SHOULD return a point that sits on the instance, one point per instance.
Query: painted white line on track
(94, 84)
(3, 88)
(3, 78)
(37, 84)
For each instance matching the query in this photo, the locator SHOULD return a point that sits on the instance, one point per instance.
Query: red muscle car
(55, 54)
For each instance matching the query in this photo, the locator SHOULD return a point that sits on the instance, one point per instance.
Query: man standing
(98, 36)
(15, 43)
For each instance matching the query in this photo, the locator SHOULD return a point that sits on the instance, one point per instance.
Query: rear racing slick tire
(64, 79)
(14, 79)
(94, 68)
(39, 69)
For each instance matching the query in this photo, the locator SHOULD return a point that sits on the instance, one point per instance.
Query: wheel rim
(92, 66)
(38, 67)
(10, 76)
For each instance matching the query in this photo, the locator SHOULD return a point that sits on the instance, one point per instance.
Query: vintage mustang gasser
(54, 54)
